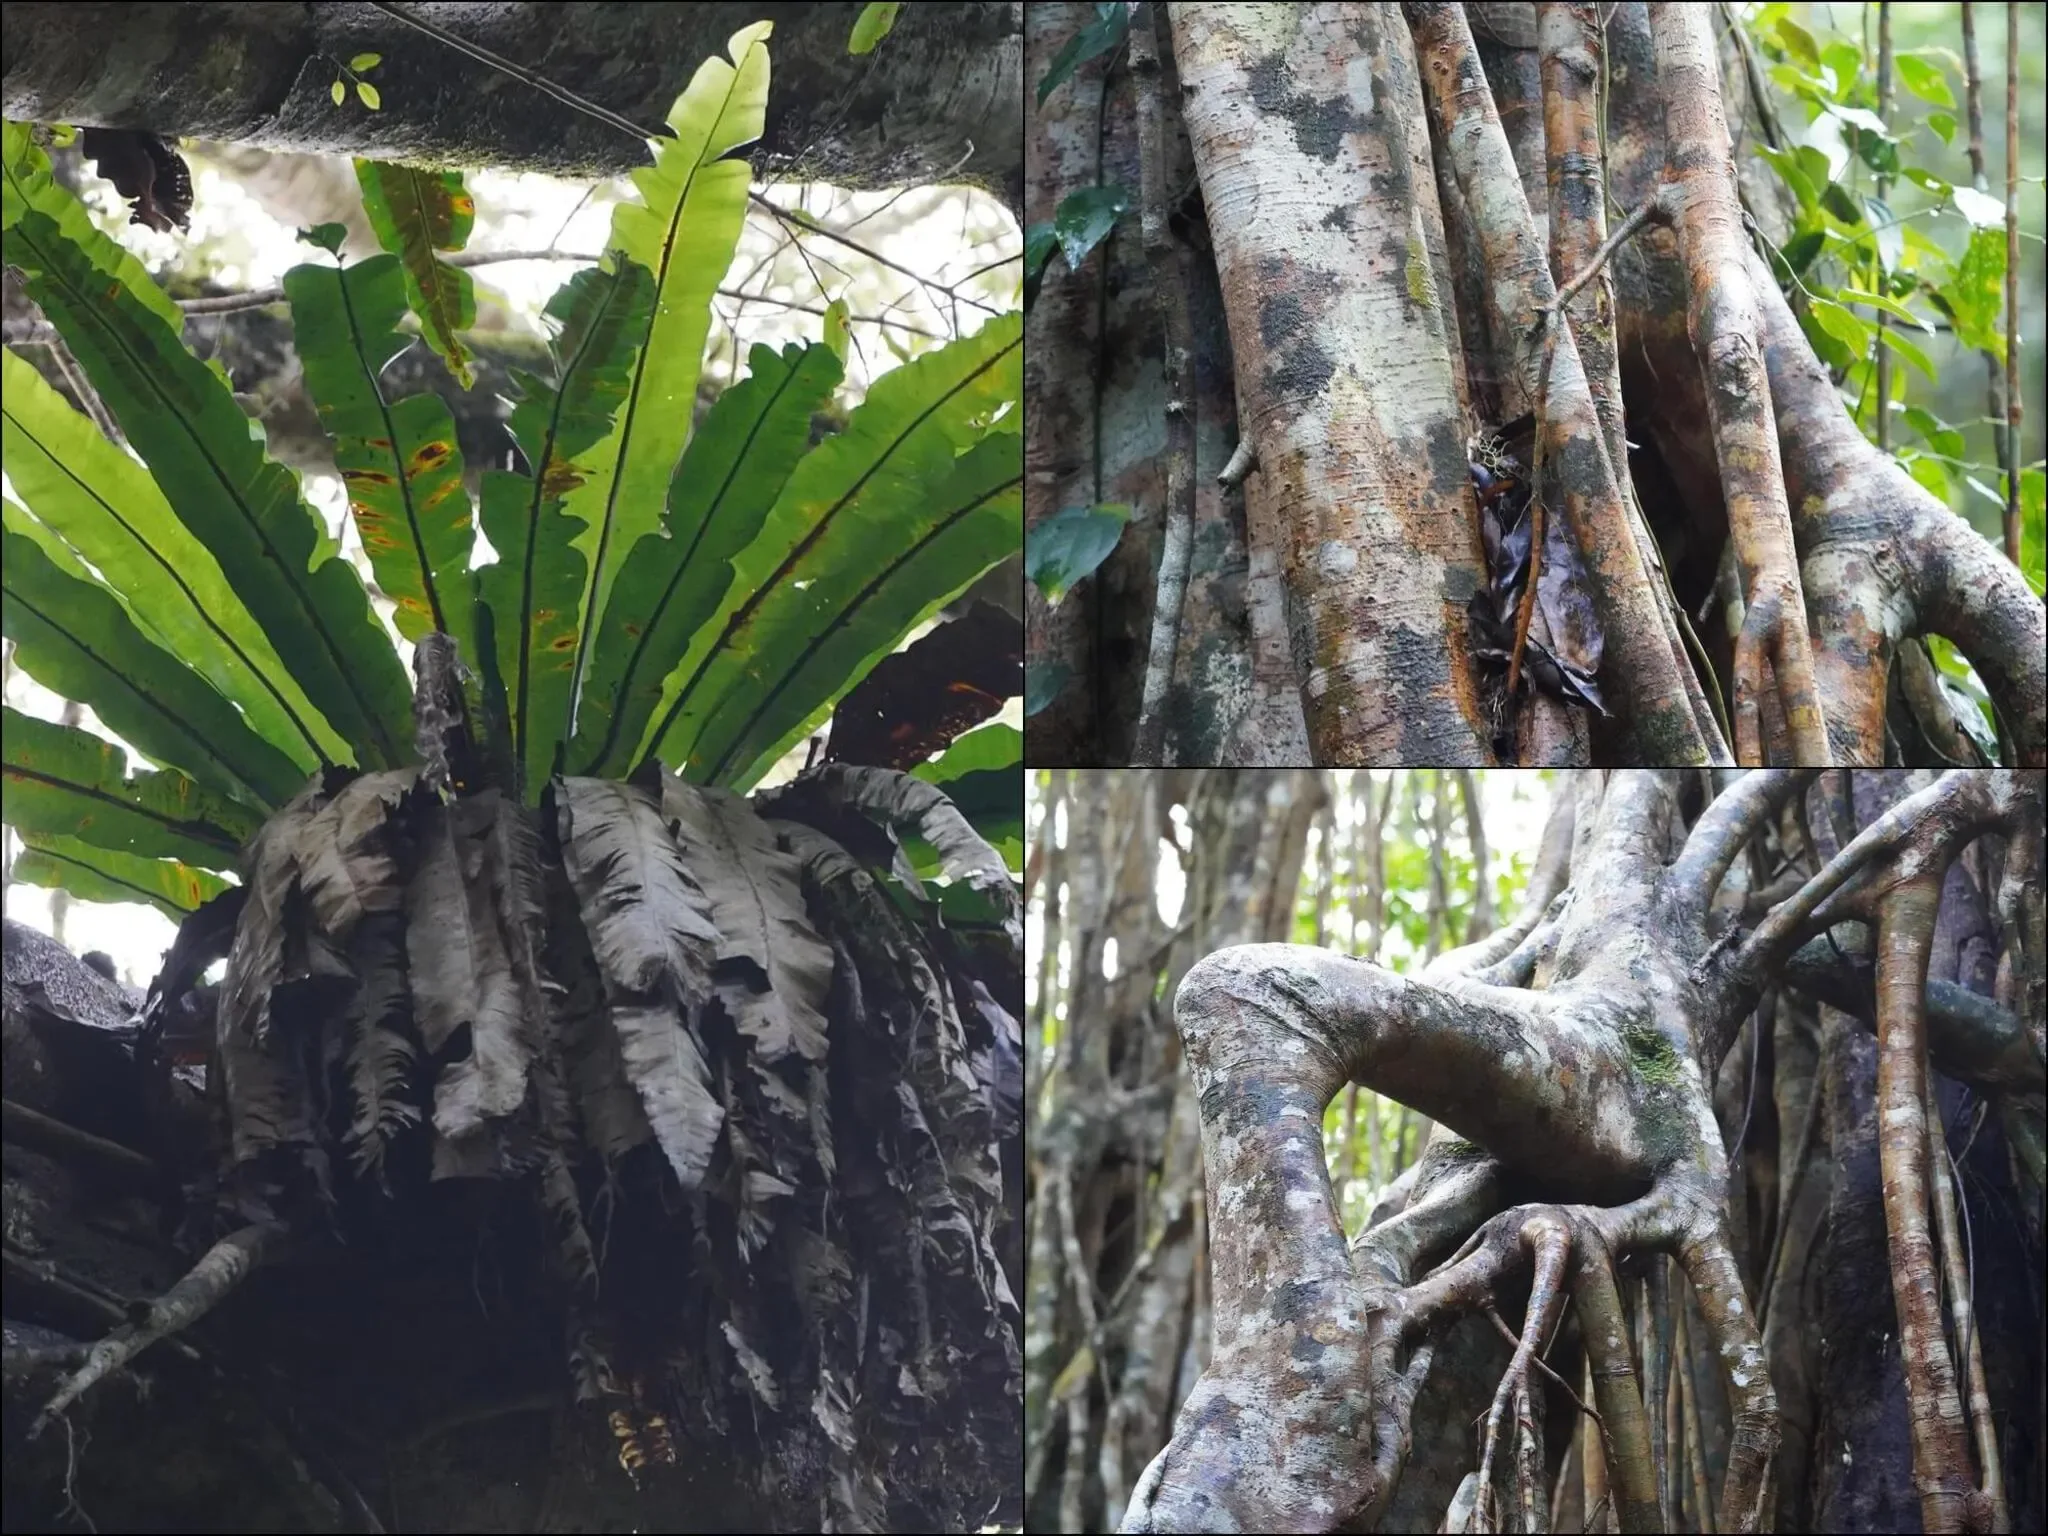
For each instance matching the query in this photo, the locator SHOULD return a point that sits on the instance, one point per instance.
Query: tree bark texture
(1096, 431)
(1571, 1061)
(939, 96)
(1375, 190)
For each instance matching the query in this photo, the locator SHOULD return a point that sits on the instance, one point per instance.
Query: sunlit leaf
(835, 329)
(397, 458)
(182, 418)
(1891, 307)
(872, 26)
(103, 874)
(533, 590)
(683, 229)
(1924, 80)
(415, 214)
(1981, 209)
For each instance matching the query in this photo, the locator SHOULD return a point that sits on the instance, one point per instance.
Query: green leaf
(877, 526)
(71, 636)
(1944, 124)
(1909, 352)
(1797, 42)
(1841, 202)
(1891, 307)
(338, 91)
(63, 135)
(1930, 474)
(1981, 209)
(994, 746)
(98, 500)
(366, 93)
(966, 524)
(1984, 490)
(1111, 22)
(2033, 495)
(329, 237)
(1878, 151)
(729, 477)
(399, 459)
(1043, 681)
(835, 331)
(66, 782)
(1815, 166)
(1040, 242)
(1927, 181)
(1062, 549)
(991, 798)
(181, 417)
(26, 183)
(1838, 336)
(1786, 163)
(363, 61)
(1924, 80)
(872, 26)
(101, 874)
(534, 591)
(1085, 219)
(1939, 436)
(684, 232)
(1977, 295)
(414, 214)
(1800, 249)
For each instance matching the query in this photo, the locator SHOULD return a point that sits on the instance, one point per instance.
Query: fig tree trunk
(1545, 469)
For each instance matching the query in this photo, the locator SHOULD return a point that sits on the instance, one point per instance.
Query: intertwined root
(1302, 1419)
(1594, 1087)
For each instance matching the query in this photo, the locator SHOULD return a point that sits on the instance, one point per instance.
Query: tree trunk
(1374, 186)
(938, 96)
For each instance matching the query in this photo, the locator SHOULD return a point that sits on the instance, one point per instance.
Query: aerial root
(225, 1265)
(1730, 1325)
(1548, 1239)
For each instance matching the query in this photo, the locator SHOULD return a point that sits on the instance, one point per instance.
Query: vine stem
(1169, 293)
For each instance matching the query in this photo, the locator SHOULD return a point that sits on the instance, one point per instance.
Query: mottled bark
(1117, 1319)
(1649, 691)
(1305, 125)
(1096, 432)
(1583, 1087)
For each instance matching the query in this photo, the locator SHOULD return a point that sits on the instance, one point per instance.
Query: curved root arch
(1586, 1082)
